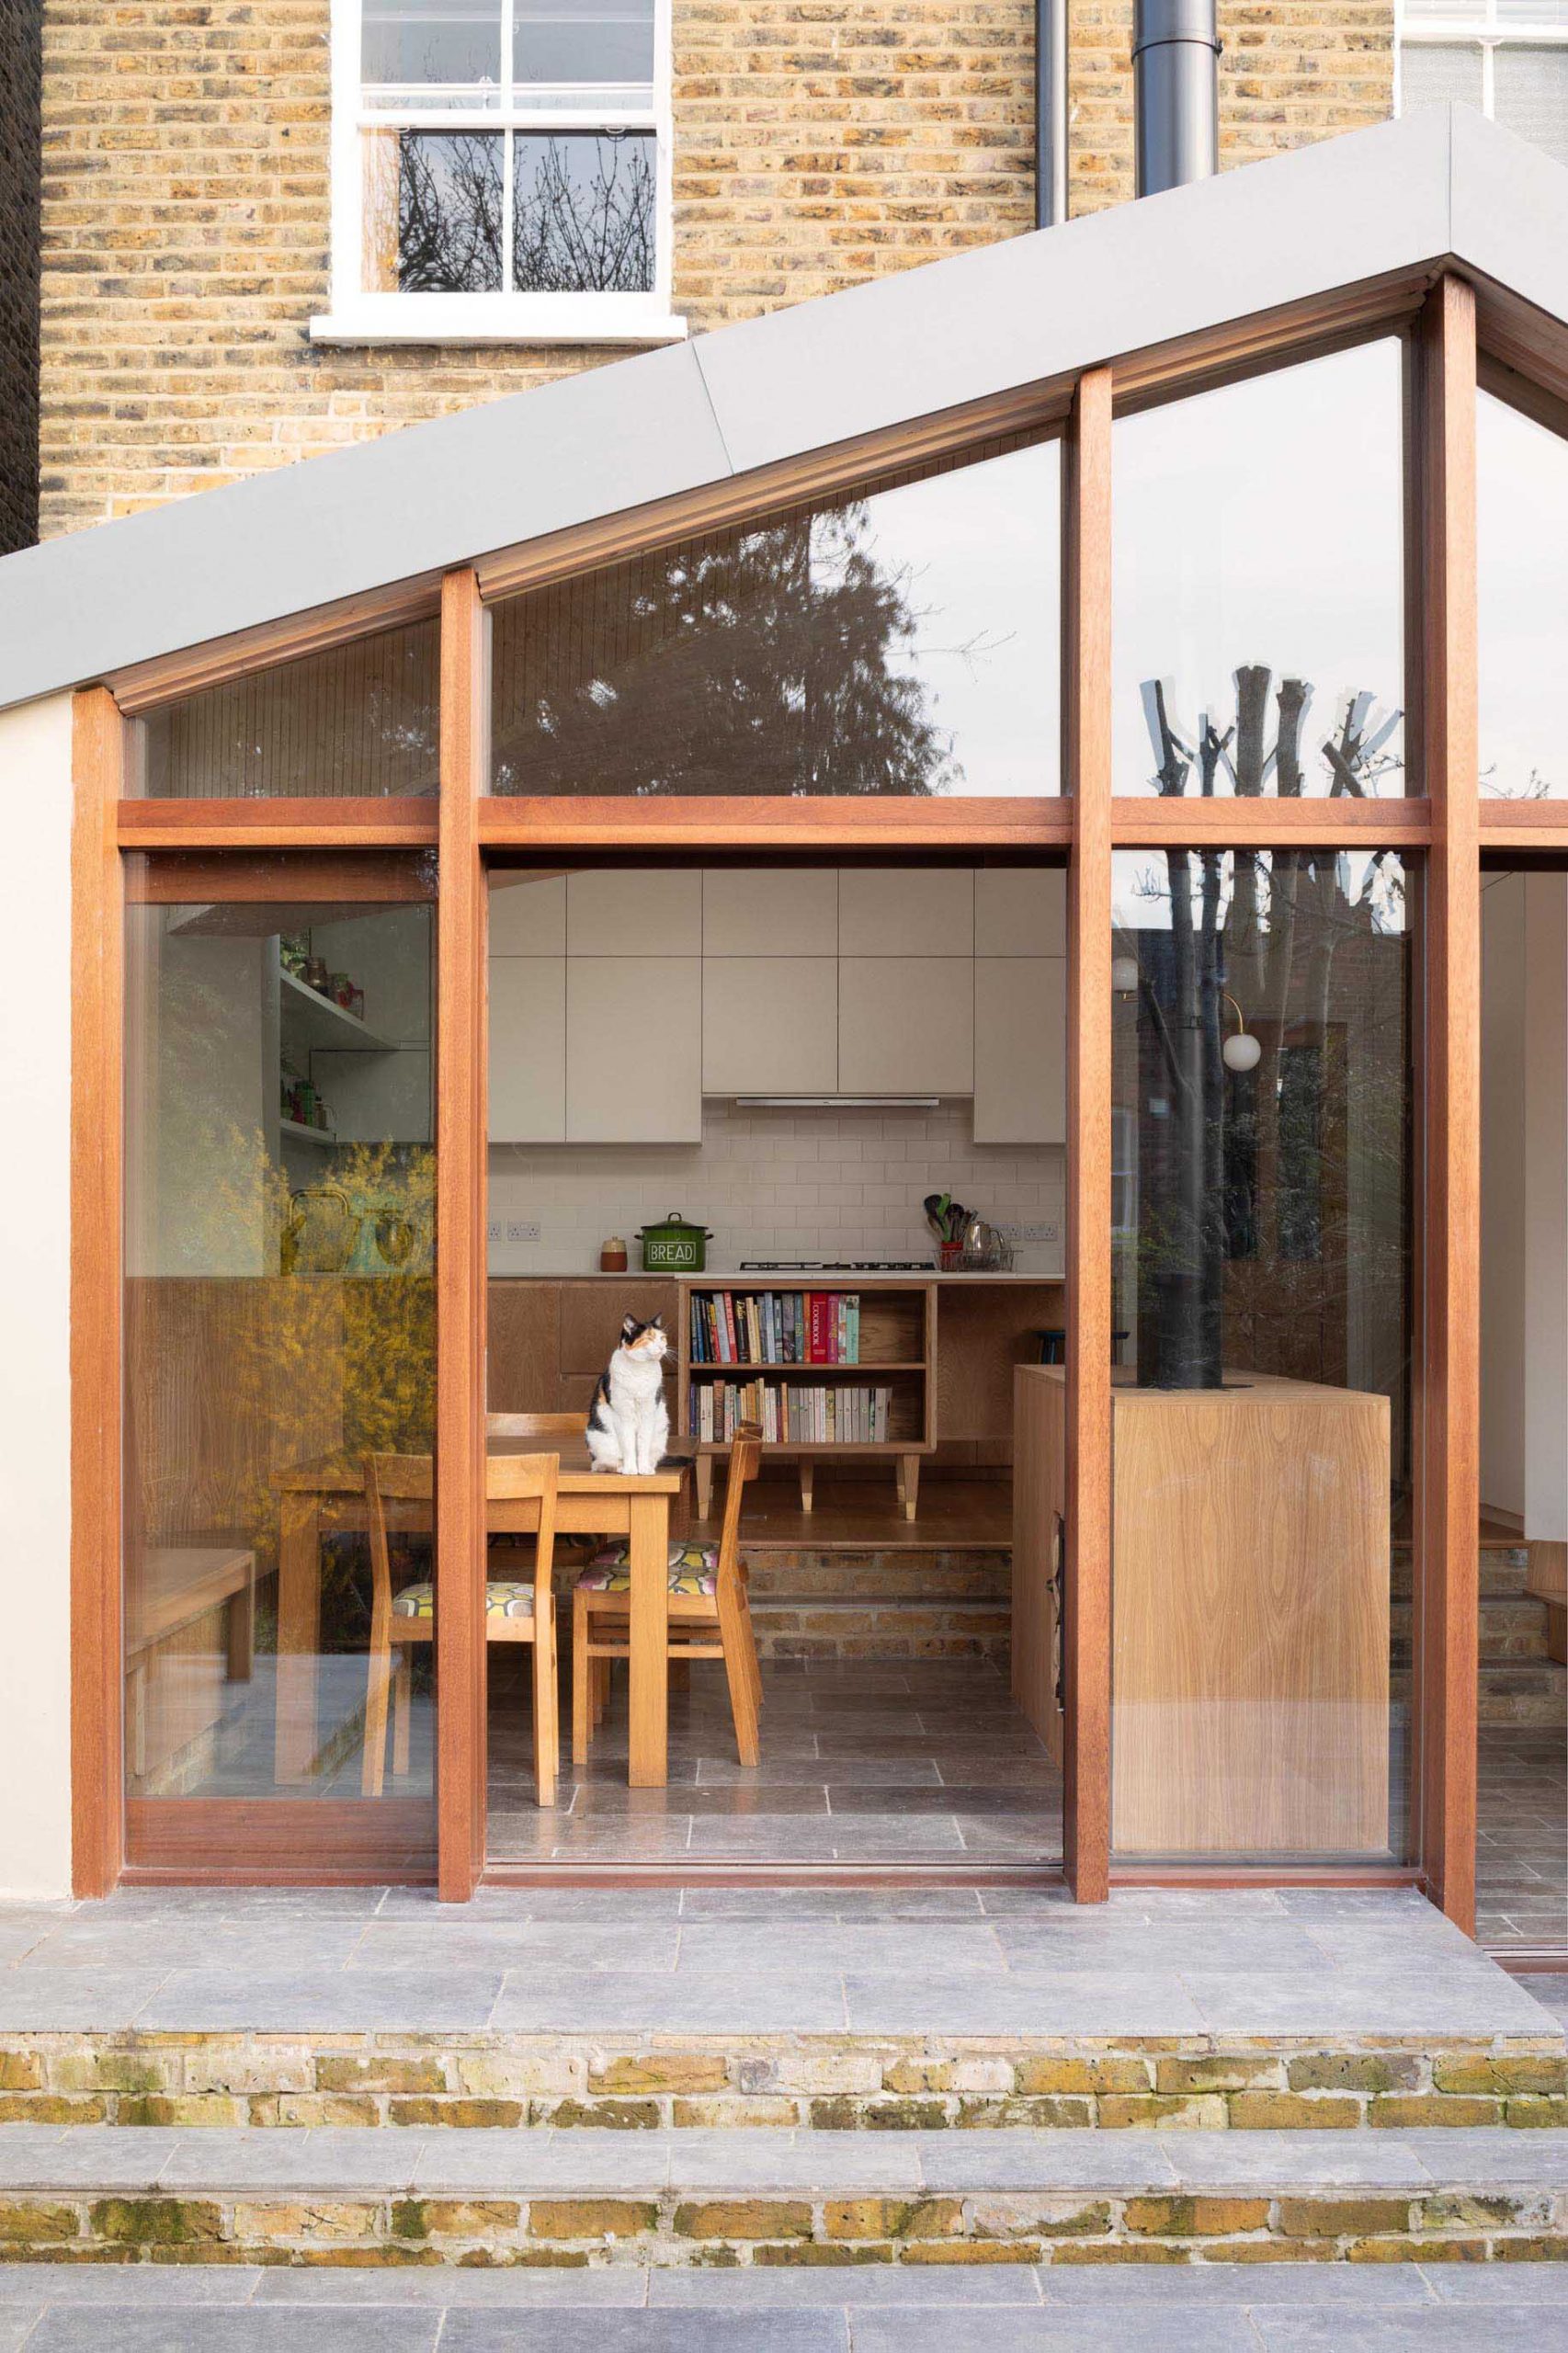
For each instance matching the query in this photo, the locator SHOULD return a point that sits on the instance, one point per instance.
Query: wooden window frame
(1446, 826)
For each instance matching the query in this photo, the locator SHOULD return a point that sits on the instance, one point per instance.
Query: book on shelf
(775, 1327)
(790, 1412)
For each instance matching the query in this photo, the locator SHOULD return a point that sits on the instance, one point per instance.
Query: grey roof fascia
(610, 439)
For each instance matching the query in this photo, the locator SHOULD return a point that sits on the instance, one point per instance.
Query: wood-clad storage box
(1250, 1611)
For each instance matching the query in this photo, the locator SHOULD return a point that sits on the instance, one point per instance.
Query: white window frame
(1477, 29)
(358, 316)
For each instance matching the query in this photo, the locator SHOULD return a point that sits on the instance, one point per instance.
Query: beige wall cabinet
(528, 914)
(1020, 1049)
(906, 911)
(769, 1024)
(905, 1025)
(1020, 911)
(758, 910)
(527, 1048)
(633, 1049)
(635, 911)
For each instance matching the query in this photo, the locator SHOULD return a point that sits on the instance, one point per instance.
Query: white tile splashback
(831, 1184)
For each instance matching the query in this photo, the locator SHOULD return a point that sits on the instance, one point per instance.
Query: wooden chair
(548, 1428)
(515, 1610)
(708, 1588)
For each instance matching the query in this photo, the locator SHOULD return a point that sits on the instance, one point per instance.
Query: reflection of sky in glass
(1522, 590)
(982, 550)
(1140, 887)
(1262, 523)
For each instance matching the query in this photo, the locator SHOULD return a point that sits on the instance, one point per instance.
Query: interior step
(1511, 1627)
(1504, 1570)
(871, 1627)
(662, 2199)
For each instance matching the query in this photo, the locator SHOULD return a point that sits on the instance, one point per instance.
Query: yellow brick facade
(185, 198)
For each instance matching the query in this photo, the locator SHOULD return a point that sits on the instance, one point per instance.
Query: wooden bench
(193, 1632)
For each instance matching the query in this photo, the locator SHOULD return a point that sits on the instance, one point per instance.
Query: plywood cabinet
(527, 1048)
(769, 1024)
(633, 1049)
(905, 1025)
(1020, 1049)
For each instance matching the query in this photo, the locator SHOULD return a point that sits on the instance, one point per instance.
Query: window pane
(358, 719)
(907, 642)
(1433, 74)
(433, 211)
(580, 46)
(450, 47)
(1261, 1074)
(1522, 595)
(1530, 96)
(1532, 12)
(279, 1331)
(1258, 569)
(583, 214)
(1446, 12)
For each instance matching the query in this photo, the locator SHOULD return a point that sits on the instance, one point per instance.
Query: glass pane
(583, 214)
(1522, 594)
(280, 1335)
(580, 49)
(1261, 1075)
(434, 206)
(1447, 12)
(1530, 96)
(1433, 74)
(1260, 594)
(358, 719)
(443, 52)
(1532, 12)
(904, 642)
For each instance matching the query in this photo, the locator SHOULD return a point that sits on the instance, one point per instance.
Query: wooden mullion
(317, 823)
(1087, 749)
(1448, 1435)
(819, 823)
(97, 952)
(460, 1248)
(1270, 822)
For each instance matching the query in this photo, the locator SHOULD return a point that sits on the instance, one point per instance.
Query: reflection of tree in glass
(448, 213)
(775, 660)
(577, 231)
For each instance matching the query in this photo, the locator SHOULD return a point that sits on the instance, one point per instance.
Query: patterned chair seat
(503, 1599)
(694, 1570)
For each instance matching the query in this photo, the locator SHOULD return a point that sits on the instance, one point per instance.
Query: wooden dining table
(326, 1497)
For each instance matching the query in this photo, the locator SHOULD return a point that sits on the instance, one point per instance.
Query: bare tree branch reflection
(583, 215)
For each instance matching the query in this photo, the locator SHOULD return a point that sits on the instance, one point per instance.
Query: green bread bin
(673, 1247)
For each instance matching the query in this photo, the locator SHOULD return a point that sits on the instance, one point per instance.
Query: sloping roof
(1442, 183)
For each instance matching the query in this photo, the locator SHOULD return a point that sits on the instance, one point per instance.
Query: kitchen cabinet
(1020, 1049)
(635, 911)
(528, 914)
(905, 1025)
(1020, 911)
(769, 1024)
(527, 1048)
(906, 911)
(633, 1049)
(764, 911)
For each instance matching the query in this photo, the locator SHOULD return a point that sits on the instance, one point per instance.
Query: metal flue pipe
(1051, 113)
(1176, 92)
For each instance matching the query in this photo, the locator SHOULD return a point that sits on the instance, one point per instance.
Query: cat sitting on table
(629, 1422)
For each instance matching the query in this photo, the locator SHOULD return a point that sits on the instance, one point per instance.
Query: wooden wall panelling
(1088, 765)
(1449, 1211)
(1040, 1504)
(524, 1374)
(460, 1166)
(97, 952)
(984, 1331)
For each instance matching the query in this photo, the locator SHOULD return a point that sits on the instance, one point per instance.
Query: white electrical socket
(522, 1229)
(1030, 1232)
(493, 1229)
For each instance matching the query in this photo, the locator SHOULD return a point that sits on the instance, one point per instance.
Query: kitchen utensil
(320, 1232)
(934, 1206)
(612, 1257)
(673, 1247)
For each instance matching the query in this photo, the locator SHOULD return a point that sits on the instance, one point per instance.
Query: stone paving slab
(588, 2162)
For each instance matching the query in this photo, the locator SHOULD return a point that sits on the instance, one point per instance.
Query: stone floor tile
(346, 2000)
(1491, 2153)
(1038, 2002)
(450, 2286)
(1083, 2329)
(38, 2000)
(1467, 1999)
(134, 2328)
(857, 2286)
(1368, 2286)
(753, 2004)
(171, 2284)
(1289, 2160)
(836, 2162)
(776, 2331)
(789, 1948)
(17, 2324)
(1437, 2329)
(1049, 2159)
(102, 2156)
(167, 1945)
(307, 2160)
(589, 2160)
(1551, 1991)
(460, 1942)
(1498, 2284)
(1247, 1943)
(849, 1904)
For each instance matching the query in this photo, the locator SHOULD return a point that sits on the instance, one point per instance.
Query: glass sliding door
(279, 1364)
(1261, 1076)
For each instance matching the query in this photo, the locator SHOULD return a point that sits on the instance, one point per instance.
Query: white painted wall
(1502, 1254)
(35, 1191)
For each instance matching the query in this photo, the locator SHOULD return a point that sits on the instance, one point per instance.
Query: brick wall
(818, 142)
(18, 272)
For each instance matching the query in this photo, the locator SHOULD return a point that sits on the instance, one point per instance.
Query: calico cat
(628, 1423)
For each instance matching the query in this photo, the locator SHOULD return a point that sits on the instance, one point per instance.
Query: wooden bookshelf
(898, 1350)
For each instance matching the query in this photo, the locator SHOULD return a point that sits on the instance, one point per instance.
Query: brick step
(653, 2081)
(663, 2199)
(1513, 1627)
(1503, 1569)
(984, 1572)
(873, 1628)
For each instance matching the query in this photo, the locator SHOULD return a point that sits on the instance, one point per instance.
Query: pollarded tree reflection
(449, 209)
(583, 214)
